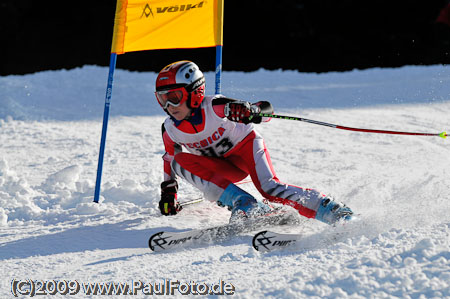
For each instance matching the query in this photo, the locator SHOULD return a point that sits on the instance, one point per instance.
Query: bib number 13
(218, 149)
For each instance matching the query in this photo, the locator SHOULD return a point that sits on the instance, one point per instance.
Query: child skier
(222, 149)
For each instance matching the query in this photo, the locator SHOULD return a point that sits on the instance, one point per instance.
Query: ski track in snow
(50, 125)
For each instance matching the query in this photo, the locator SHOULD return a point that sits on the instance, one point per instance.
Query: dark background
(305, 35)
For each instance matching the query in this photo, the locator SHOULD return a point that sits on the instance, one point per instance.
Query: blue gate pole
(112, 67)
(218, 69)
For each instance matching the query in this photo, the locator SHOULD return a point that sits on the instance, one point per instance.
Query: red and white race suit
(219, 152)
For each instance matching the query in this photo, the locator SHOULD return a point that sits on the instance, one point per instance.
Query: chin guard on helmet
(180, 82)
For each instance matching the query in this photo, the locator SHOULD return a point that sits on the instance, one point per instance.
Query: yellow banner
(167, 24)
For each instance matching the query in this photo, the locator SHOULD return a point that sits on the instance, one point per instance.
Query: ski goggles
(174, 97)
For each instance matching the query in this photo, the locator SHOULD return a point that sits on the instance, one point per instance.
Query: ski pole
(198, 200)
(442, 134)
(190, 202)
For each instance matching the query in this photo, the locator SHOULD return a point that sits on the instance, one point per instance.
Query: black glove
(241, 111)
(168, 204)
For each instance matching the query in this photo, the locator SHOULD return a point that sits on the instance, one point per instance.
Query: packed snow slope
(50, 126)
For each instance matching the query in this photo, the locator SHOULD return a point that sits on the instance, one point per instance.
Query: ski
(165, 240)
(266, 241)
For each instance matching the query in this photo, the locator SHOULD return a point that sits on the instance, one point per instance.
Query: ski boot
(331, 211)
(242, 204)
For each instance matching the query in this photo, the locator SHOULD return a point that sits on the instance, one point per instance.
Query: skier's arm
(168, 204)
(242, 111)
(171, 149)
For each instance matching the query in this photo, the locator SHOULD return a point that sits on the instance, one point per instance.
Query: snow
(50, 126)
